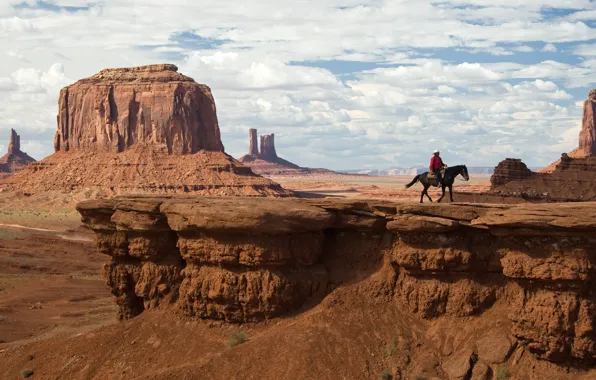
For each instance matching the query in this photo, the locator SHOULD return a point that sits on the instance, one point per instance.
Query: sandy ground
(381, 187)
(49, 280)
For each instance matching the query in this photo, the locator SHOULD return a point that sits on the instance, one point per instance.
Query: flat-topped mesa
(118, 108)
(268, 146)
(510, 169)
(14, 144)
(587, 135)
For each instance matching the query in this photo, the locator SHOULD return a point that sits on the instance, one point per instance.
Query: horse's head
(464, 173)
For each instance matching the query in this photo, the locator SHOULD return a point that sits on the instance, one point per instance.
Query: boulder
(510, 169)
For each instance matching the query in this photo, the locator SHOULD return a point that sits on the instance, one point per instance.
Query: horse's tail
(416, 179)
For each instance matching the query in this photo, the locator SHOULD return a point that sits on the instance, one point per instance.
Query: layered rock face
(510, 169)
(240, 259)
(15, 159)
(118, 108)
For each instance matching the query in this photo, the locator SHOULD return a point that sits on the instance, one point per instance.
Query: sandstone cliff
(15, 159)
(242, 260)
(587, 135)
(117, 108)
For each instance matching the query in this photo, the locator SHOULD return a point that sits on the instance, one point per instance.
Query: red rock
(268, 147)
(254, 148)
(587, 135)
(15, 159)
(141, 129)
(508, 170)
(118, 108)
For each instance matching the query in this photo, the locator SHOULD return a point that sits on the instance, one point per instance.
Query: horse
(448, 179)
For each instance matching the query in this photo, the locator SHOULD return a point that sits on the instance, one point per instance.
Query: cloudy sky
(343, 84)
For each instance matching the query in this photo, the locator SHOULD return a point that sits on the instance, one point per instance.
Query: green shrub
(502, 372)
(26, 373)
(236, 338)
(385, 375)
(420, 377)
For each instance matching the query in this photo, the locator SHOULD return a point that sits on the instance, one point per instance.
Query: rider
(436, 164)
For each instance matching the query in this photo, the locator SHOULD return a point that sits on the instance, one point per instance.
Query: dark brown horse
(448, 179)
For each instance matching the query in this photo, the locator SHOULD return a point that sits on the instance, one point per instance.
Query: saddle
(432, 175)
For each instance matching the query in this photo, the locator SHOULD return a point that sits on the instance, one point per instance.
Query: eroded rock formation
(240, 259)
(117, 108)
(143, 129)
(265, 160)
(587, 135)
(510, 169)
(15, 159)
(268, 147)
(254, 146)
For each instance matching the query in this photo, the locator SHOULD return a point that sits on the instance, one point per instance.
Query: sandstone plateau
(15, 159)
(242, 260)
(336, 289)
(144, 129)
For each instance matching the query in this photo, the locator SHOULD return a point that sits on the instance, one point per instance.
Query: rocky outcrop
(268, 147)
(265, 160)
(510, 169)
(240, 259)
(587, 135)
(118, 108)
(14, 144)
(15, 160)
(254, 146)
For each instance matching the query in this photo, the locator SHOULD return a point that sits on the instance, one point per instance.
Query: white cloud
(429, 90)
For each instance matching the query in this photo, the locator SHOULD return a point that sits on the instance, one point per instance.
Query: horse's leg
(426, 192)
(442, 195)
(422, 196)
(450, 193)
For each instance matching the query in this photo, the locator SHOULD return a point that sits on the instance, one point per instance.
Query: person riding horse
(446, 181)
(436, 164)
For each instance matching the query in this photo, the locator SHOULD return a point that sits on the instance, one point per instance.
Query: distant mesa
(15, 160)
(118, 108)
(146, 129)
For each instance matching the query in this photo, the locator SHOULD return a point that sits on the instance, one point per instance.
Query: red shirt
(436, 163)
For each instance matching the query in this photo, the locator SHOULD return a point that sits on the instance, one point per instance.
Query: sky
(343, 84)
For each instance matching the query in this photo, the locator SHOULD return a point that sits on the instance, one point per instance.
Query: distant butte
(587, 135)
(571, 178)
(265, 161)
(15, 160)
